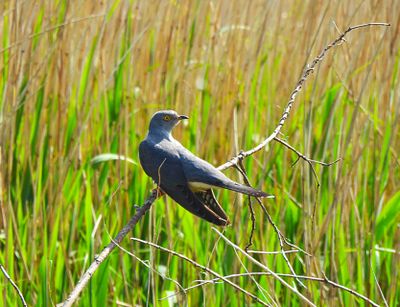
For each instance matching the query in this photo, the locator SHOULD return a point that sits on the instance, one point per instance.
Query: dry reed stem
(234, 161)
(50, 29)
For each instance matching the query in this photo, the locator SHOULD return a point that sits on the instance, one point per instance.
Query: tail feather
(244, 189)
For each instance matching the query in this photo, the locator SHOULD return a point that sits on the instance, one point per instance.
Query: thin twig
(379, 288)
(336, 285)
(311, 278)
(262, 290)
(305, 158)
(21, 296)
(202, 267)
(281, 239)
(163, 276)
(242, 171)
(253, 224)
(291, 251)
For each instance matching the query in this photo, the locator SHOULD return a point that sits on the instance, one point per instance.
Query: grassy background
(82, 78)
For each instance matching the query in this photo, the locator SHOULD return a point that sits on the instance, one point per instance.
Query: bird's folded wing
(202, 175)
(202, 204)
(209, 200)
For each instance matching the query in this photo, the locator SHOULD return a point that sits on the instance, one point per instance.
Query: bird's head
(164, 121)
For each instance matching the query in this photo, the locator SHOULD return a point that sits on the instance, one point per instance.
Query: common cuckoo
(186, 178)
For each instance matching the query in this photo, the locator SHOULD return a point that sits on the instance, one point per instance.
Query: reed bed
(81, 78)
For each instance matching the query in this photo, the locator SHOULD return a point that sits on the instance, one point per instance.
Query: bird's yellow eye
(167, 118)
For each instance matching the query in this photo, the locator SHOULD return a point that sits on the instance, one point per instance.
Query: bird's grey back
(155, 151)
(199, 170)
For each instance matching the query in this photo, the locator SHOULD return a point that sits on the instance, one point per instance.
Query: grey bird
(186, 178)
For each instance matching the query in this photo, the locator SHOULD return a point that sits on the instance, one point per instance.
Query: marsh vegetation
(78, 79)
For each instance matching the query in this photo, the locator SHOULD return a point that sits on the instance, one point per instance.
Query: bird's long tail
(244, 189)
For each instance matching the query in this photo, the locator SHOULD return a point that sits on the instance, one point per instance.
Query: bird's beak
(183, 117)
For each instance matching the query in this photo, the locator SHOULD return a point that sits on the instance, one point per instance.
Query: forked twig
(305, 158)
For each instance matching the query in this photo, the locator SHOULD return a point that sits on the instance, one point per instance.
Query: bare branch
(305, 158)
(141, 211)
(307, 71)
(311, 278)
(242, 171)
(202, 267)
(336, 285)
(21, 296)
